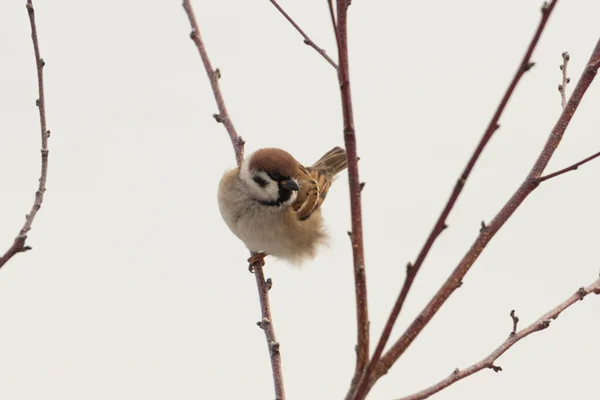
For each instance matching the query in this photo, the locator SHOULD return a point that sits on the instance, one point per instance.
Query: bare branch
(266, 325)
(440, 224)
(18, 245)
(333, 22)
(307, 41)
(360, 282)
(488, 362)
(562, 87)
(484, 237)
(213, 77)
(569, 168)
(238, 146)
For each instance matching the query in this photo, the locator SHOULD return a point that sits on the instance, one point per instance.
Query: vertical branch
(413, 268)
(562, 87)
(267, 326)
(356, 236)
(333, 23)
(263, 285)
(18, 245)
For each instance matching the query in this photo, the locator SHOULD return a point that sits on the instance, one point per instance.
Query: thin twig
(515, 321)
(440, 225)
(238, 147)
(213, 77)
(362, 313)
(333, 22)
(18, 245)
(485, 236)
(488, 362)
(569, 168)
(562, 87)
(307, 41)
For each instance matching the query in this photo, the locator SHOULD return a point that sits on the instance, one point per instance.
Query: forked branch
(413, 268)
(263, 285)
(18, 245)
(562, 88)
(572, 167)
(487, 233)
(540, 324)
(307, 41)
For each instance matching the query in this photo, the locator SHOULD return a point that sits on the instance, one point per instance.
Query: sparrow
(272, 203)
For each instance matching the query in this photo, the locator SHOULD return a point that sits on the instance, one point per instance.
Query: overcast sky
(136, 289)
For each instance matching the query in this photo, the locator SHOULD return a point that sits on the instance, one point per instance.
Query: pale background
(135, 288)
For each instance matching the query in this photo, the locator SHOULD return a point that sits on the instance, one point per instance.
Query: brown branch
(18, 245)
(213, 76)
(486, 235)
(307, 41)
(413, 268)
(488, 362)
(238, 146)
(335, 28)
(562, 87)
(333, 22)
(569, 168)
(356, 236)
(266, 325)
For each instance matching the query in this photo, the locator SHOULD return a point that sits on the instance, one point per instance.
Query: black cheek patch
(284, 194)
(260, 181)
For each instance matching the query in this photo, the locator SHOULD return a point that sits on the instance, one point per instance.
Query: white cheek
(291, 199)
(245, 171)
(268, 193)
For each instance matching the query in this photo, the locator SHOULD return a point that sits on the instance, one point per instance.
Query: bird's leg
(256, 259)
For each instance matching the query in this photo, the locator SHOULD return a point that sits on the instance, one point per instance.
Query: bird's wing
(313, 187)
(316, 180)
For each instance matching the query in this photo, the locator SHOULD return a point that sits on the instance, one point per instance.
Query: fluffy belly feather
(274, 230)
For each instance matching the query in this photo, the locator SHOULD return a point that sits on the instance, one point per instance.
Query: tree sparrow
(272, 202)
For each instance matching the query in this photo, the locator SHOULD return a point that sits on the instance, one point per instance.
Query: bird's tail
(332, 163)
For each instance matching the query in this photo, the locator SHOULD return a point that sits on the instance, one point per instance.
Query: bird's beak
(290, 184)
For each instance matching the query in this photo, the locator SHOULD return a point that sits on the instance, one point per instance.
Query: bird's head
(271, 176)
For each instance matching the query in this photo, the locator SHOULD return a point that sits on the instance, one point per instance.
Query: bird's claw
(256, 259)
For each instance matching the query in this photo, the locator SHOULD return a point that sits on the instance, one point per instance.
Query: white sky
(136, 289)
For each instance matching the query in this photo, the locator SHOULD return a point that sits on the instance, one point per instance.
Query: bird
(272, 203)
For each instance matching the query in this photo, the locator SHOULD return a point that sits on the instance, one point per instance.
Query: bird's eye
(276, 176)
(260, 181)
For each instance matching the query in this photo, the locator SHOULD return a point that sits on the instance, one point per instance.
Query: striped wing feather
(316, 181)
